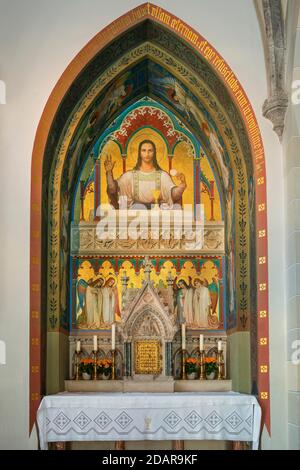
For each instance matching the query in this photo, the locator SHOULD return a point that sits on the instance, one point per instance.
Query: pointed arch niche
(149, 58)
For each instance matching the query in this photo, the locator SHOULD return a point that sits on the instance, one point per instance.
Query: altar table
(148, 416)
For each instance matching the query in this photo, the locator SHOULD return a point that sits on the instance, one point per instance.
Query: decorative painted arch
(126, 123)
(148, 31)
(66, 159)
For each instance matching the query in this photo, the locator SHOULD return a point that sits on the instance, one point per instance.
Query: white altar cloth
(148, 416)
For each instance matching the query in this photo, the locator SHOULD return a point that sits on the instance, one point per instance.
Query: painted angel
(201, 303)
(111, 307)
(183, 293)
(182, 100)
(90, 302)
(217, 151)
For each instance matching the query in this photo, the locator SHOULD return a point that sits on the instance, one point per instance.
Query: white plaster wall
(291, 149)
(38, 39)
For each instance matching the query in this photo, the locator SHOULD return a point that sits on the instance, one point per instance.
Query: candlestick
(78, 346)
(77, 361)
(113, 336)
(202, 375)
(201, 347)
(220, 364)
(95, 363)
(183, 342)
(219, 345)
(95, 347)
(183, 364)
(113, 366)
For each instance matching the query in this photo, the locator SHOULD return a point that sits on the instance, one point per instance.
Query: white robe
(201, 303)
(138, 186)
(188, 306)
(98, 315)
(91, 305)
(109, 304)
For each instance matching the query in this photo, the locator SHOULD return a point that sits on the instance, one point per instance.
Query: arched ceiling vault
(131, 41)
(205, 91)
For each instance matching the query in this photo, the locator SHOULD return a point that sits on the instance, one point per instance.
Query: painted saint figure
(94, 303)
(112, 100)
(177, 95)
(141, 184)
(201, 303)
(217, 151)
(89, 302)
(81, 286)
(214, 294)
(183, 302)
(110, 301)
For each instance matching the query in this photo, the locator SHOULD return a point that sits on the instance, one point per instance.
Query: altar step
(155, 386)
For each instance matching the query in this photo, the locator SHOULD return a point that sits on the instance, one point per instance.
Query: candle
(219, 345)
(183, 335)
(201, 343)
(78, 346)
(113, 336)
(95, 348)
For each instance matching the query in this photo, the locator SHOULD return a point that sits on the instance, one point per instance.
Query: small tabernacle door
(148, 357)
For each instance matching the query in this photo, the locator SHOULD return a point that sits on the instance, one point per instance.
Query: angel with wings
(90, 302)
(180, 98)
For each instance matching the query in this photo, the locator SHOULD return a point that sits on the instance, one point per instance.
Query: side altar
(150, 343)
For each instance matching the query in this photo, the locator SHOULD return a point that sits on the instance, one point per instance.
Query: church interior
(157, 210)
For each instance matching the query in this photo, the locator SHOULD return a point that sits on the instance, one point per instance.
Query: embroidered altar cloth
(148, 416)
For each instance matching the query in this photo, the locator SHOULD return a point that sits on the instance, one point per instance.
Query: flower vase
(191, 375)
(105, 377)
(86, 376)
(211, 375)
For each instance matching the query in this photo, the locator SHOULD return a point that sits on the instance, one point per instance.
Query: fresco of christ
(146, 184)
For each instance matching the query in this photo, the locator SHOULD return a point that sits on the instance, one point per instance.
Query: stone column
(168, 358)
(127, 359)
